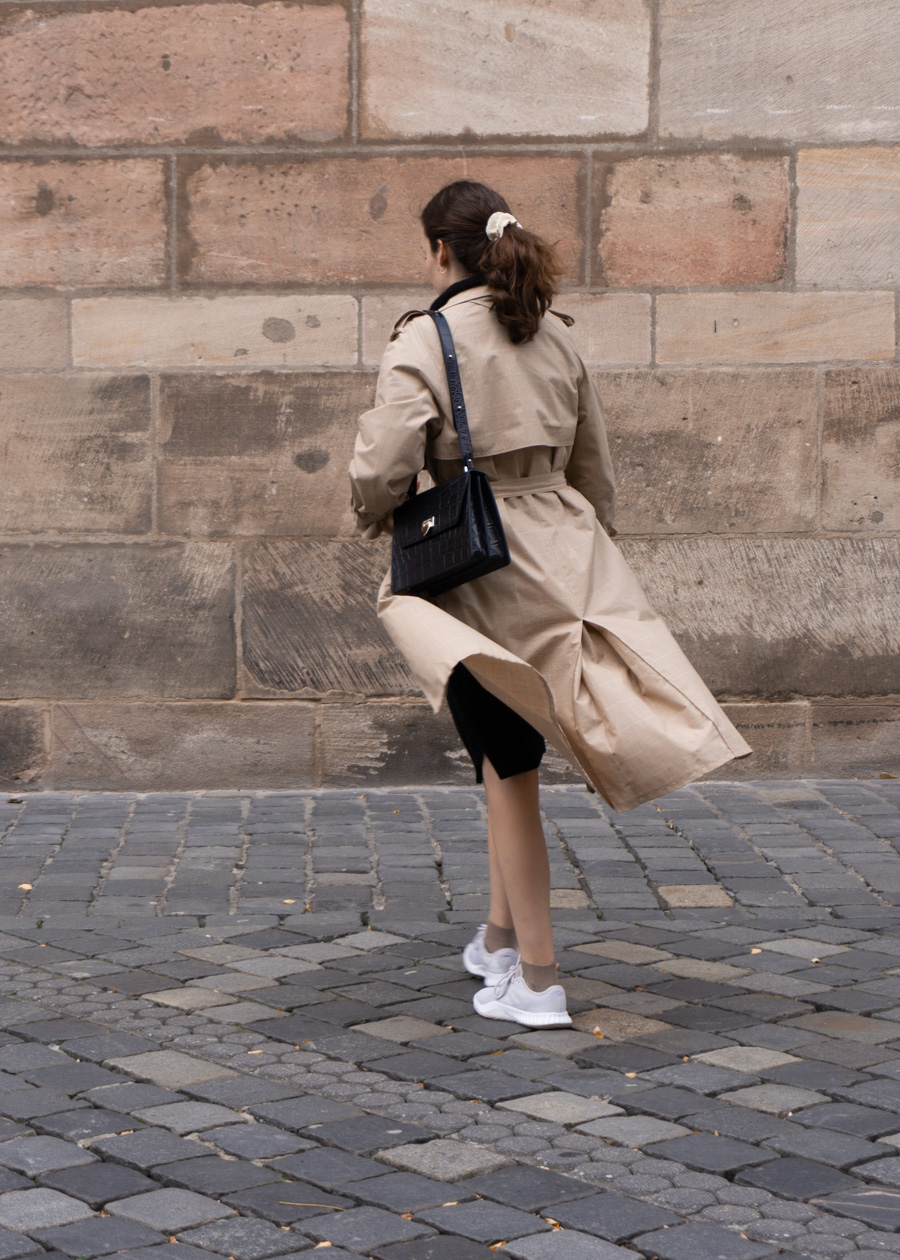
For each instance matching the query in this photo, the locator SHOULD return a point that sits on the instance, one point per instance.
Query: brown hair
(519, 268)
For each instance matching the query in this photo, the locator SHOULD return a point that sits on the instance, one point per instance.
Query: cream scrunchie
(498, 222)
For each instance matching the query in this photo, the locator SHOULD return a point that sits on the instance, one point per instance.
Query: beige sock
(539, 978)
(499, 938)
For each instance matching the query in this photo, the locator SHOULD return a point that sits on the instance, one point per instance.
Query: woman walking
(559, 645)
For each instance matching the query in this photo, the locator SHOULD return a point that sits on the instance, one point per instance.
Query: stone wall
(207, 227)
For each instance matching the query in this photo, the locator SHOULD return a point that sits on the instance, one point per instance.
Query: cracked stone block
(875, 1207)
(170, 1210)
(27, 1210)
(169, 1068)
(612, 1216)
(444, 1160)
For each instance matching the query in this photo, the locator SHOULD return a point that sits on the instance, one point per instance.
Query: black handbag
(452, 533)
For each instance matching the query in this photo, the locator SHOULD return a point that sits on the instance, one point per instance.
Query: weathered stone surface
(859, 739)
(233, 72)
(506, 67)
(609, 328)
(390, 743)
(710, 451)
(860, 443)
(778, 735)
(756, 70)
(261, 453)
(22, 751)
(268, 221)
(173, 747)
(76, 453)
(707, 218)
(32, 333)
(309, 623)
(774, 327)
(767, 617)
(90, 620)
(88, 223)
(679, 895)
(848, 221)
(253, 331)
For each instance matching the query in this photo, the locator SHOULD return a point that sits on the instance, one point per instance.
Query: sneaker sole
(531, 1019)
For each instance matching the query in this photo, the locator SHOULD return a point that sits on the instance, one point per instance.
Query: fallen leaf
(287, 901)
(756, 951)
(254, 1051)
(631, 1075)
(26, 887)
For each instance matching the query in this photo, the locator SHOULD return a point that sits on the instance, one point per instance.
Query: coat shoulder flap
(402, 322)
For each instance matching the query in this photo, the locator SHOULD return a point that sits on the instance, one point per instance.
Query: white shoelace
(506, 979)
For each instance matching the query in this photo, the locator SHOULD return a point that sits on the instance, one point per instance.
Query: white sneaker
(479, 961)
(511, 998)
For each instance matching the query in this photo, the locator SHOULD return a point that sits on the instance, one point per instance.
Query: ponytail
(519, 268)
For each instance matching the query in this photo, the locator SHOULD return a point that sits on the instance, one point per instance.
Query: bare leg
(518, 851)
(499, 912)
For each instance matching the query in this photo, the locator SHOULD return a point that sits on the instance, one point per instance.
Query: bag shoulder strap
(457, 401)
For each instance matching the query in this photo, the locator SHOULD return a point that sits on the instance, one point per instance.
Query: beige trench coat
(564, 635)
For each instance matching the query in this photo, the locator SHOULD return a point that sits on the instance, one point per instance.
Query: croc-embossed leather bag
(451, 533)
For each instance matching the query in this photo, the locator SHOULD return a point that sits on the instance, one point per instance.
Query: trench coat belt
(509, 487)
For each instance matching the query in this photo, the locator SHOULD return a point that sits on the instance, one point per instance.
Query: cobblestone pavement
(237, 1025)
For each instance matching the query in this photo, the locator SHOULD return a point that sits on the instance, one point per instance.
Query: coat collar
(468, 290)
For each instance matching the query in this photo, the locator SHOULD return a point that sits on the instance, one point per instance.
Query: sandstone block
(32, 333)
(247, 331)
(94, 620)
(82, 224)
(76, 453)
(380, 312)
(768, 617)
(850, 739)
(505, 67)
(705, 218)
(774, 327)
(258, 453)
(180, 747)
(860, 440)
(270, 221)
(22, 753)
(385, 744)
(609, 328)
(236, 73)
(309, 623)
(777, 733)
(710, 451)
(848, 221)
(756, 69)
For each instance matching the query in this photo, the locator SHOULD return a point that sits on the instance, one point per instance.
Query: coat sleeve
(390, 444)
(589, 468)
